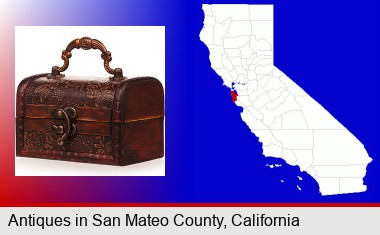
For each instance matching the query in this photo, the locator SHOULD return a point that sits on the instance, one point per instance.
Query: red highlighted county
(234, 96)
(288, 122)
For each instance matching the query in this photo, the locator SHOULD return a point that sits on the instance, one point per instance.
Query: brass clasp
(67, 128)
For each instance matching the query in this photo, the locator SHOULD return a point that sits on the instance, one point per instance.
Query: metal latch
(66, 128)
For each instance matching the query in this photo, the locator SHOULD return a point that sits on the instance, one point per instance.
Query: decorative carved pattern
(100, 94)
(71, 93)
(34, 140)
(85, 43)
(104, 146)
(38, 140)
(44, 90)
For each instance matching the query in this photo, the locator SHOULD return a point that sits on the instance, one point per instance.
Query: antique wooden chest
(114, 120)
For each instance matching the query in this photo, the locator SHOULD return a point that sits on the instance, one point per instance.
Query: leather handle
(86, 43)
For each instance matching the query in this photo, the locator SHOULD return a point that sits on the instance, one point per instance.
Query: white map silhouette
(288, 122)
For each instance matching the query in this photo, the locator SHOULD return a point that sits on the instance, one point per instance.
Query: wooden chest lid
(95, 99)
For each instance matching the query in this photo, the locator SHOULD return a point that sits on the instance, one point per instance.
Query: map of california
(288, 122)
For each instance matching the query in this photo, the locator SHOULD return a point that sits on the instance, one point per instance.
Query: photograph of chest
(115, 121)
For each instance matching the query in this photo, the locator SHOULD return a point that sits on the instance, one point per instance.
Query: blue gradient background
(327, 47)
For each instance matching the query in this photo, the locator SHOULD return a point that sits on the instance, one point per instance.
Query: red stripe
(191, 205)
